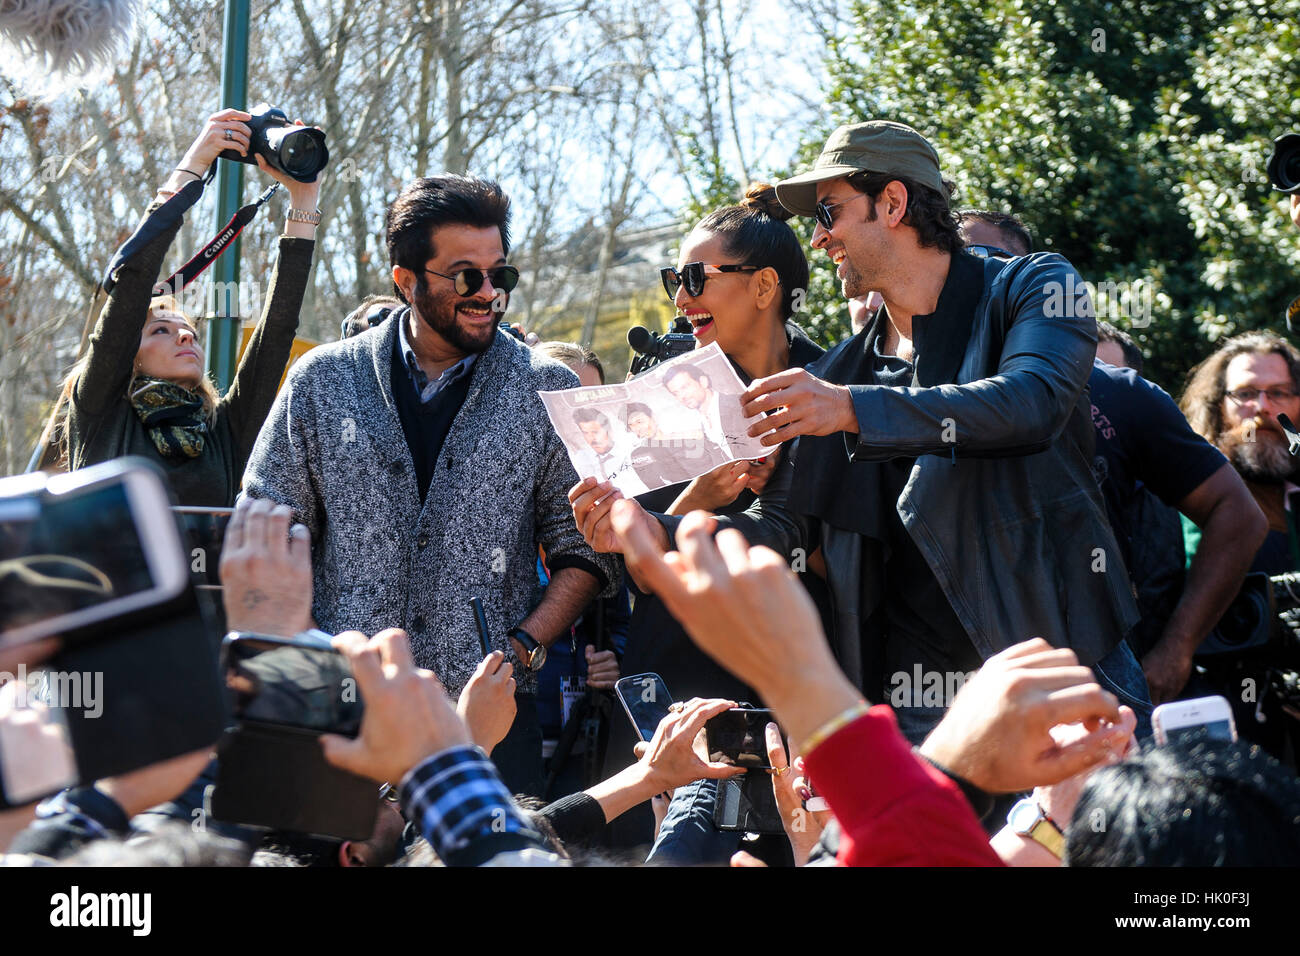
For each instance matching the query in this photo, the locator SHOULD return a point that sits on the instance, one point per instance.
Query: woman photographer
(740, 275)
(140, 388)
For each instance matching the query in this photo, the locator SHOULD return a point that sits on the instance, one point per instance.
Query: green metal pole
(223, 334)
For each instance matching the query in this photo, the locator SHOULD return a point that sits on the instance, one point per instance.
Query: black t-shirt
(1143, 440)
(919, 625)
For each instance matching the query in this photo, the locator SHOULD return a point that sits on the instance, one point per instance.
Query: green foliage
(1132, 138)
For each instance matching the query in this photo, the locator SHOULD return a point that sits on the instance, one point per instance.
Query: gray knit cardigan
(333, 449)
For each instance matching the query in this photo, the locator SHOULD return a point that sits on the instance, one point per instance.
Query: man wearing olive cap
(943, 454)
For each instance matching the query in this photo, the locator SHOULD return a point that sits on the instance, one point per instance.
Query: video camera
(652, 348)
(92, 563)
(1261, 626)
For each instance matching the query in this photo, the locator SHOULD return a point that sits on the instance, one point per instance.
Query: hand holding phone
(673, 754)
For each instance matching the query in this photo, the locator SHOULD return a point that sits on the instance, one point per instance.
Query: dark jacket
(1001, 501)
(102, 425)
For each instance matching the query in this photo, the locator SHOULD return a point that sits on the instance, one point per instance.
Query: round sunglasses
(469, 281)
(693, 274)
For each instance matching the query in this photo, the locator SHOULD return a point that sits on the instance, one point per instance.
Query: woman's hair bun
(762, 197)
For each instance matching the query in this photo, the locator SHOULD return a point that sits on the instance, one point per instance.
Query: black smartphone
(645, 700)
(284, 683)
(746, 803)
(95, 558)
(271, 770)
(738, 736)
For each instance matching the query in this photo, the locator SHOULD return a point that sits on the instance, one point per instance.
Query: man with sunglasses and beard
(422, 461)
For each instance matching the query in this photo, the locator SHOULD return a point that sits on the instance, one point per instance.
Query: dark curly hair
(927, 212)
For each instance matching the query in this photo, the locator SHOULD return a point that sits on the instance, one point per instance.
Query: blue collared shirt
(423, 387)
(456, 797)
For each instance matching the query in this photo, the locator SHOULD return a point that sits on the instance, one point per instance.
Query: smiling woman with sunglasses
(741, 273)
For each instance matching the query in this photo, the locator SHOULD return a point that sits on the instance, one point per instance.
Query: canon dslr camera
(298, 151)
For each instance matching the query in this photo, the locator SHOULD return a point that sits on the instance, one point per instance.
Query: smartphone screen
(60, 554)
(1208, 718)
(1213, 730)
(292, 685)
(738, 736)
(645, 699)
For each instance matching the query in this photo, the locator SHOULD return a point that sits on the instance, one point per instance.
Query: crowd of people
(981, 549)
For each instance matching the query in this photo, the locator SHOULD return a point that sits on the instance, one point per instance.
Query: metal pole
(223, 335)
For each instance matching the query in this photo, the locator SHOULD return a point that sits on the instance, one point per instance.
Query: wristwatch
(1028, 819)
(310, 216)
(535, 650)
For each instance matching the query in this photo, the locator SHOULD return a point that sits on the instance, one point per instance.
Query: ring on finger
(230, 134)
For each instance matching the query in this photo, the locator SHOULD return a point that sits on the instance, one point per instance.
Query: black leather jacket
(1001, 501)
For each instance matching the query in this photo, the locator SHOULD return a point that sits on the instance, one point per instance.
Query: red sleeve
(894, 808)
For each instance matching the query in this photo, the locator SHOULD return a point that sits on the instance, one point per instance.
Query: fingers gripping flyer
(672, 423)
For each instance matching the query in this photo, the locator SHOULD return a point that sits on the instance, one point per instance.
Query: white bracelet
(303, 215)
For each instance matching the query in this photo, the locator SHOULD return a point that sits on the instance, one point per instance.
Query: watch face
(537, 659)
(1024, 815)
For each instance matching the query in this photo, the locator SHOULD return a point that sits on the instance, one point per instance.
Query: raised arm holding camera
(140, 389)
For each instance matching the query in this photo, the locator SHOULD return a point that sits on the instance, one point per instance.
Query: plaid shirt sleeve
(463, 809)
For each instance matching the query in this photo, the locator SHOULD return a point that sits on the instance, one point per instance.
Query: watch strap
(1043, 830)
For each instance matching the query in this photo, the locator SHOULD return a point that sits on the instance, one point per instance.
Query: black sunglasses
(469, 281)
(989, 252)
(693, 274)
(823, 211)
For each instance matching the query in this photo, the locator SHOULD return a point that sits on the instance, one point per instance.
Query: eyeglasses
(823, 213)
(1242, 396)
(693, 274)
(990, 252)
(469, 281)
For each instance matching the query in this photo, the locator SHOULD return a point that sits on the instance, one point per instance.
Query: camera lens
(1289, 174)
(301, 152)
(1284, 166)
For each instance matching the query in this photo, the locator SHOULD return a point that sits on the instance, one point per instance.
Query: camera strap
(164, 218)
(187, 273)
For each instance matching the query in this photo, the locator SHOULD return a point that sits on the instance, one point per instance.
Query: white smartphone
(1179, 718)
(85, 546)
